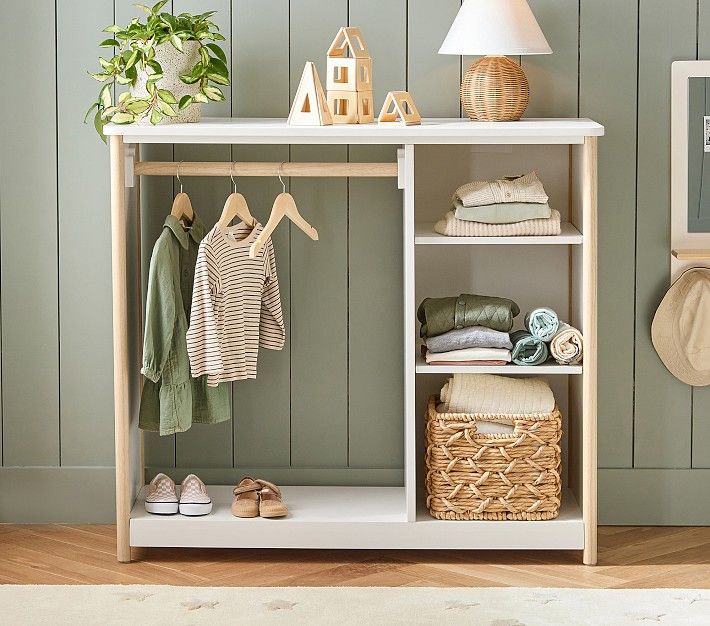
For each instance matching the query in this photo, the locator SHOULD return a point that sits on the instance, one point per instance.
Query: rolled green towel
(528, 349)
(542, 323)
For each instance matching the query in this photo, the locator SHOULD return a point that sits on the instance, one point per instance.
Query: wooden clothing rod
(207, 168)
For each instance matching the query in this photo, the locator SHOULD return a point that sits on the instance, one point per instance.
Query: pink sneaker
(194, 499)
(161, 498)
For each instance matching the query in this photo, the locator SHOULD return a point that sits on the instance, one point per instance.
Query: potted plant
(170, 64)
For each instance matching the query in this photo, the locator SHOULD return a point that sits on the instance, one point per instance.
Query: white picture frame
(681, 239)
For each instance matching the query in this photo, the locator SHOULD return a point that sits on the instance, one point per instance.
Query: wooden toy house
(349, 80)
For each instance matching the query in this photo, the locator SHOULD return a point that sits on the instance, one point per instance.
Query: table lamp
(495, 88)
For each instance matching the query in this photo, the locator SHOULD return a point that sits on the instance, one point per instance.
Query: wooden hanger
(236, 206)
(182, 206)
(284, 206)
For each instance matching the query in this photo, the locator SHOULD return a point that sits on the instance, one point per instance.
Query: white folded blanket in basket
(490, 394)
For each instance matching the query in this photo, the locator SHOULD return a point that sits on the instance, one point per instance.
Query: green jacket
(172, 400)
(440, 315)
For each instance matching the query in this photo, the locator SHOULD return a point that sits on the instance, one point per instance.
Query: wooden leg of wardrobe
(120, 348)
(139, 305)
(589, 394)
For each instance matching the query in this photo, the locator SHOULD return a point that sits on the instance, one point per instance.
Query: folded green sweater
(440, 315)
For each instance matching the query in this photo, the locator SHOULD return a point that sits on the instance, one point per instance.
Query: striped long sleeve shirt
(236, 306)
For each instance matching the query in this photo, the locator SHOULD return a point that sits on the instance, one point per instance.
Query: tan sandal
(246, 498)
(270, 504)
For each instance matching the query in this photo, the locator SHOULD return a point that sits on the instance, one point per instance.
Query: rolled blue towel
(528, 349)
(542, 323)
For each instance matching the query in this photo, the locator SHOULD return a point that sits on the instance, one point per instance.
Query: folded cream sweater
(453, 227)
(527, 188)
(489, 394)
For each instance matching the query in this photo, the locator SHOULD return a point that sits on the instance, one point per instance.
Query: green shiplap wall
(328, 408)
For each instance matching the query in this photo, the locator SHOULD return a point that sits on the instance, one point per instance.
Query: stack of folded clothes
(467, 329)
(511, 206)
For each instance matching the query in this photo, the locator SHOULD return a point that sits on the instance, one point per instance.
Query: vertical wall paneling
(329, 405)
(553, 77)
(156, 200)
(608, 95)
(319, 282)
(207, 445)
(662, 419)
(433, 79)
(260, 87)
(375, 262)
(28, 188)
(701, 395)
(86, 383)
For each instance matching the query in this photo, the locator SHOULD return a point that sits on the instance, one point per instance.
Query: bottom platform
(351, 518)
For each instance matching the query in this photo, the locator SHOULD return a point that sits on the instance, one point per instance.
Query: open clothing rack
(366, 516)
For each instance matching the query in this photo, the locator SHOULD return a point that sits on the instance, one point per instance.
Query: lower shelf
(350, 518)
(422, 367)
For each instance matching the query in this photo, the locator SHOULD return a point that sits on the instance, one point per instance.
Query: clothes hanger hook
(178, 175)
(231, 175)
(283, 184)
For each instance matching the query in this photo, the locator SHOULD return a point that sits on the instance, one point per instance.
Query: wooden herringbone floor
(628, 557)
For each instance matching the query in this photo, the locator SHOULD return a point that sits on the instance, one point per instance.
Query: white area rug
(145, 604)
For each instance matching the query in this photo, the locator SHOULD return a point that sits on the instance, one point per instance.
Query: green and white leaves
(135, 46)
(167, 96)
(217, 51)
(105, 96)
(213, 93)
(176, 41)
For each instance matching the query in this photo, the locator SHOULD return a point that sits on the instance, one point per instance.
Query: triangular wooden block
(310, 107)
(399, 108)
(349, 41)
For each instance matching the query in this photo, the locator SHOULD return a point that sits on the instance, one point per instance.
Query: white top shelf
(431, 131)
(424, 235)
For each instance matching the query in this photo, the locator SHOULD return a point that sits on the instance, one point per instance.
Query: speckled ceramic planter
(173, 63)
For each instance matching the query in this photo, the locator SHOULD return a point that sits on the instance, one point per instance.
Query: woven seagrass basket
(477, 476)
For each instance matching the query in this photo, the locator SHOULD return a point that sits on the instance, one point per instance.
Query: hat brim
(665, 330)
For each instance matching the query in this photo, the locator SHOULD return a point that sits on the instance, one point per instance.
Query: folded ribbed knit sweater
(485, 393)
(453, 227)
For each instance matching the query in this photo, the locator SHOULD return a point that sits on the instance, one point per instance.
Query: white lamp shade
(495, 27)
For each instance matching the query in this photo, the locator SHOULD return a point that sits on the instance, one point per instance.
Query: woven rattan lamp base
(495, 89)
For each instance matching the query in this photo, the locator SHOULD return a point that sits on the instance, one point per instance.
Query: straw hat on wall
(681, 327)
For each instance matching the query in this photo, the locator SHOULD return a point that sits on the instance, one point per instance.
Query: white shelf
(549, 368)
(319, 517)
(350, 518)
(424, 235)
(431, 131)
